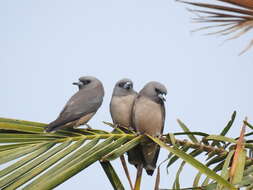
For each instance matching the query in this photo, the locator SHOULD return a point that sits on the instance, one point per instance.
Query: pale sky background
(47, 45)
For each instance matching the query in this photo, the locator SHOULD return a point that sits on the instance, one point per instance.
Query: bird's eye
(157, 91)
(86, 82)
(121, 84)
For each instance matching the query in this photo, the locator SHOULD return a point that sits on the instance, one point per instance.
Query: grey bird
(121, 105)
(81, 106)
(148, 118)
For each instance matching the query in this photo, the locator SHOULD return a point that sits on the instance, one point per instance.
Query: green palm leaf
(59, 155)
(195, 163)
(41, 160)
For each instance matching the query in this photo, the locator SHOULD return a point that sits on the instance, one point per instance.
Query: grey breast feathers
(121, 108)
(148, 116)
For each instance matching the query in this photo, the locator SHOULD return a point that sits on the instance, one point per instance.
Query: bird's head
(85, 82)
(154, 90)
(123, 87)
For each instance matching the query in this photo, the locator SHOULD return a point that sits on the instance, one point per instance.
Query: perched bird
(148, 117)
(121, 104)
(81, 106)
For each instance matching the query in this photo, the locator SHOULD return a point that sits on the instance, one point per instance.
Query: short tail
(149, 169)
(51, 127)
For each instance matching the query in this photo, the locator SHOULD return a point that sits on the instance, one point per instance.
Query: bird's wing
(80, 104)
(163, 117)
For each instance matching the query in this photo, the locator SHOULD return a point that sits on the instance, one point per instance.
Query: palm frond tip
(235, 17)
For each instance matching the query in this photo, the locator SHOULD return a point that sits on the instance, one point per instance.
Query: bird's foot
(158, 136)
(139, 133)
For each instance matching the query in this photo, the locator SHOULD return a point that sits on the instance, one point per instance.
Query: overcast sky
(47, 45)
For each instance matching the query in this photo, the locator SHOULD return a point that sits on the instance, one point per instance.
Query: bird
(121, 104)
(148, 117)
(82, 106)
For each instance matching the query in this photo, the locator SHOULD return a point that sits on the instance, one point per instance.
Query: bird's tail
(49, 129)
(53, 126)
(151, 152)
(150, 169)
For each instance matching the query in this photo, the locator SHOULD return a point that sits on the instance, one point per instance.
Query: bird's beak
(77, 83)
(162, 96)
(127, 85)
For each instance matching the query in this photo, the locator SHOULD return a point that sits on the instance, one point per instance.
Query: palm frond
(33, 159)
(230, 17)
(112, 175)
(195, 163)
(58, 156)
